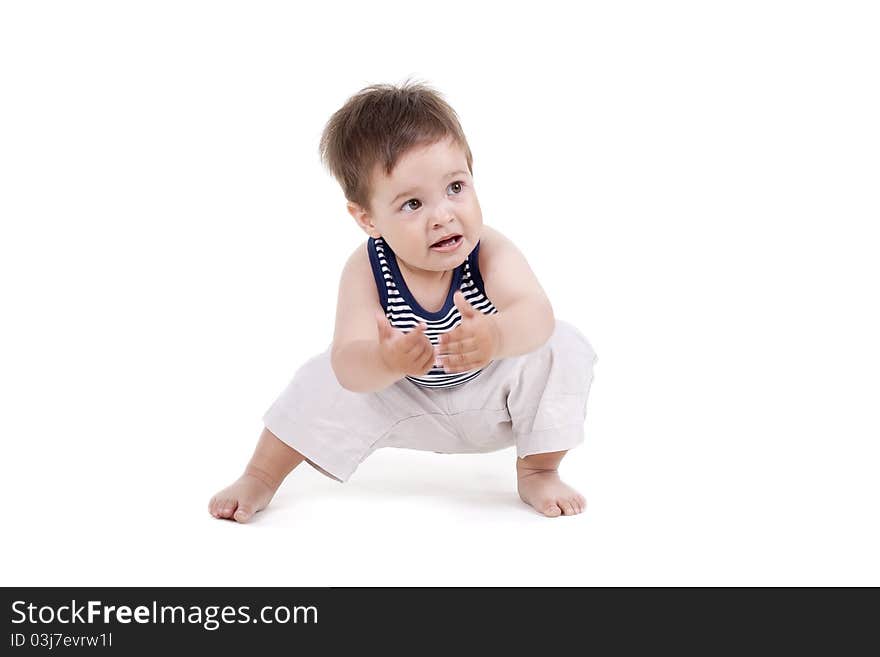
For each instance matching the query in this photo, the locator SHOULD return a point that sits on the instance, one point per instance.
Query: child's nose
(444, 213)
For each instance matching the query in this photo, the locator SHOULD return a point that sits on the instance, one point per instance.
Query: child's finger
(417, 362)
(457, 361)
(382, 324)
(455, 334)
(467, 361)
(416, 335)
(458, 346)
(463, 305)
(425, 354)
(458, 367)
(415, 349)
(428, 362)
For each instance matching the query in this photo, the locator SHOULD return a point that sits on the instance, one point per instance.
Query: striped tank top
(405, 313)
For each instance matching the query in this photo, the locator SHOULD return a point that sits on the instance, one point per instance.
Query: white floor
(419, 518)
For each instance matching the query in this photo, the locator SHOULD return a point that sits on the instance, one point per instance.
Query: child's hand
(473, 343)
(406, 353)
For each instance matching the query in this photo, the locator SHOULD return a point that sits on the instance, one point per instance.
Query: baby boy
(444, 339)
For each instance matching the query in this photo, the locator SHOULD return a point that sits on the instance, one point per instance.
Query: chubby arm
(525, 319)
(356, 356)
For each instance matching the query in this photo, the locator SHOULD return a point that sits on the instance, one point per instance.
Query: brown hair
(379, 124)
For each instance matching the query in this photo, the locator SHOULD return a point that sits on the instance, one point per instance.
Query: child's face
(430, 194)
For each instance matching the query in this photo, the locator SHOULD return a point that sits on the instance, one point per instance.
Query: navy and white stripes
(404, 312)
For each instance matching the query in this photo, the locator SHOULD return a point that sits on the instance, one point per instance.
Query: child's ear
(363, 219)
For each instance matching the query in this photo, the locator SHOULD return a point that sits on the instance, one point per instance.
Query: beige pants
(536, 401)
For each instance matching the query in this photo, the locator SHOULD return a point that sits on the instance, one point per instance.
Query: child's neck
(423, 278)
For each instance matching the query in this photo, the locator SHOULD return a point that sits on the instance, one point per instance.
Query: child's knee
(567, 338)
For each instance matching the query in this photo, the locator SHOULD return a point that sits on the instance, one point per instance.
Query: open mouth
(449, 243)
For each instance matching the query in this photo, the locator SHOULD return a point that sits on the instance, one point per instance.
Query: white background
(695, 185)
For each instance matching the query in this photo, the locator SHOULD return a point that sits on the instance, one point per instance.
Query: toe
(551, 509)
(566, 507)
(227, 507)
(243, 513)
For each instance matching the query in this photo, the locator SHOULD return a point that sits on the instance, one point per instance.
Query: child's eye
(406, 205)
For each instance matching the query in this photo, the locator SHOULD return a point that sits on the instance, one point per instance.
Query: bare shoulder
(357, 275)
(493, 246)
(359, 260)
(492, 242)
(506, 273)
(489, 238)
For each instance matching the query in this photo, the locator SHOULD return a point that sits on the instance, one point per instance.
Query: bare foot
(243, 499)
(546, 492)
